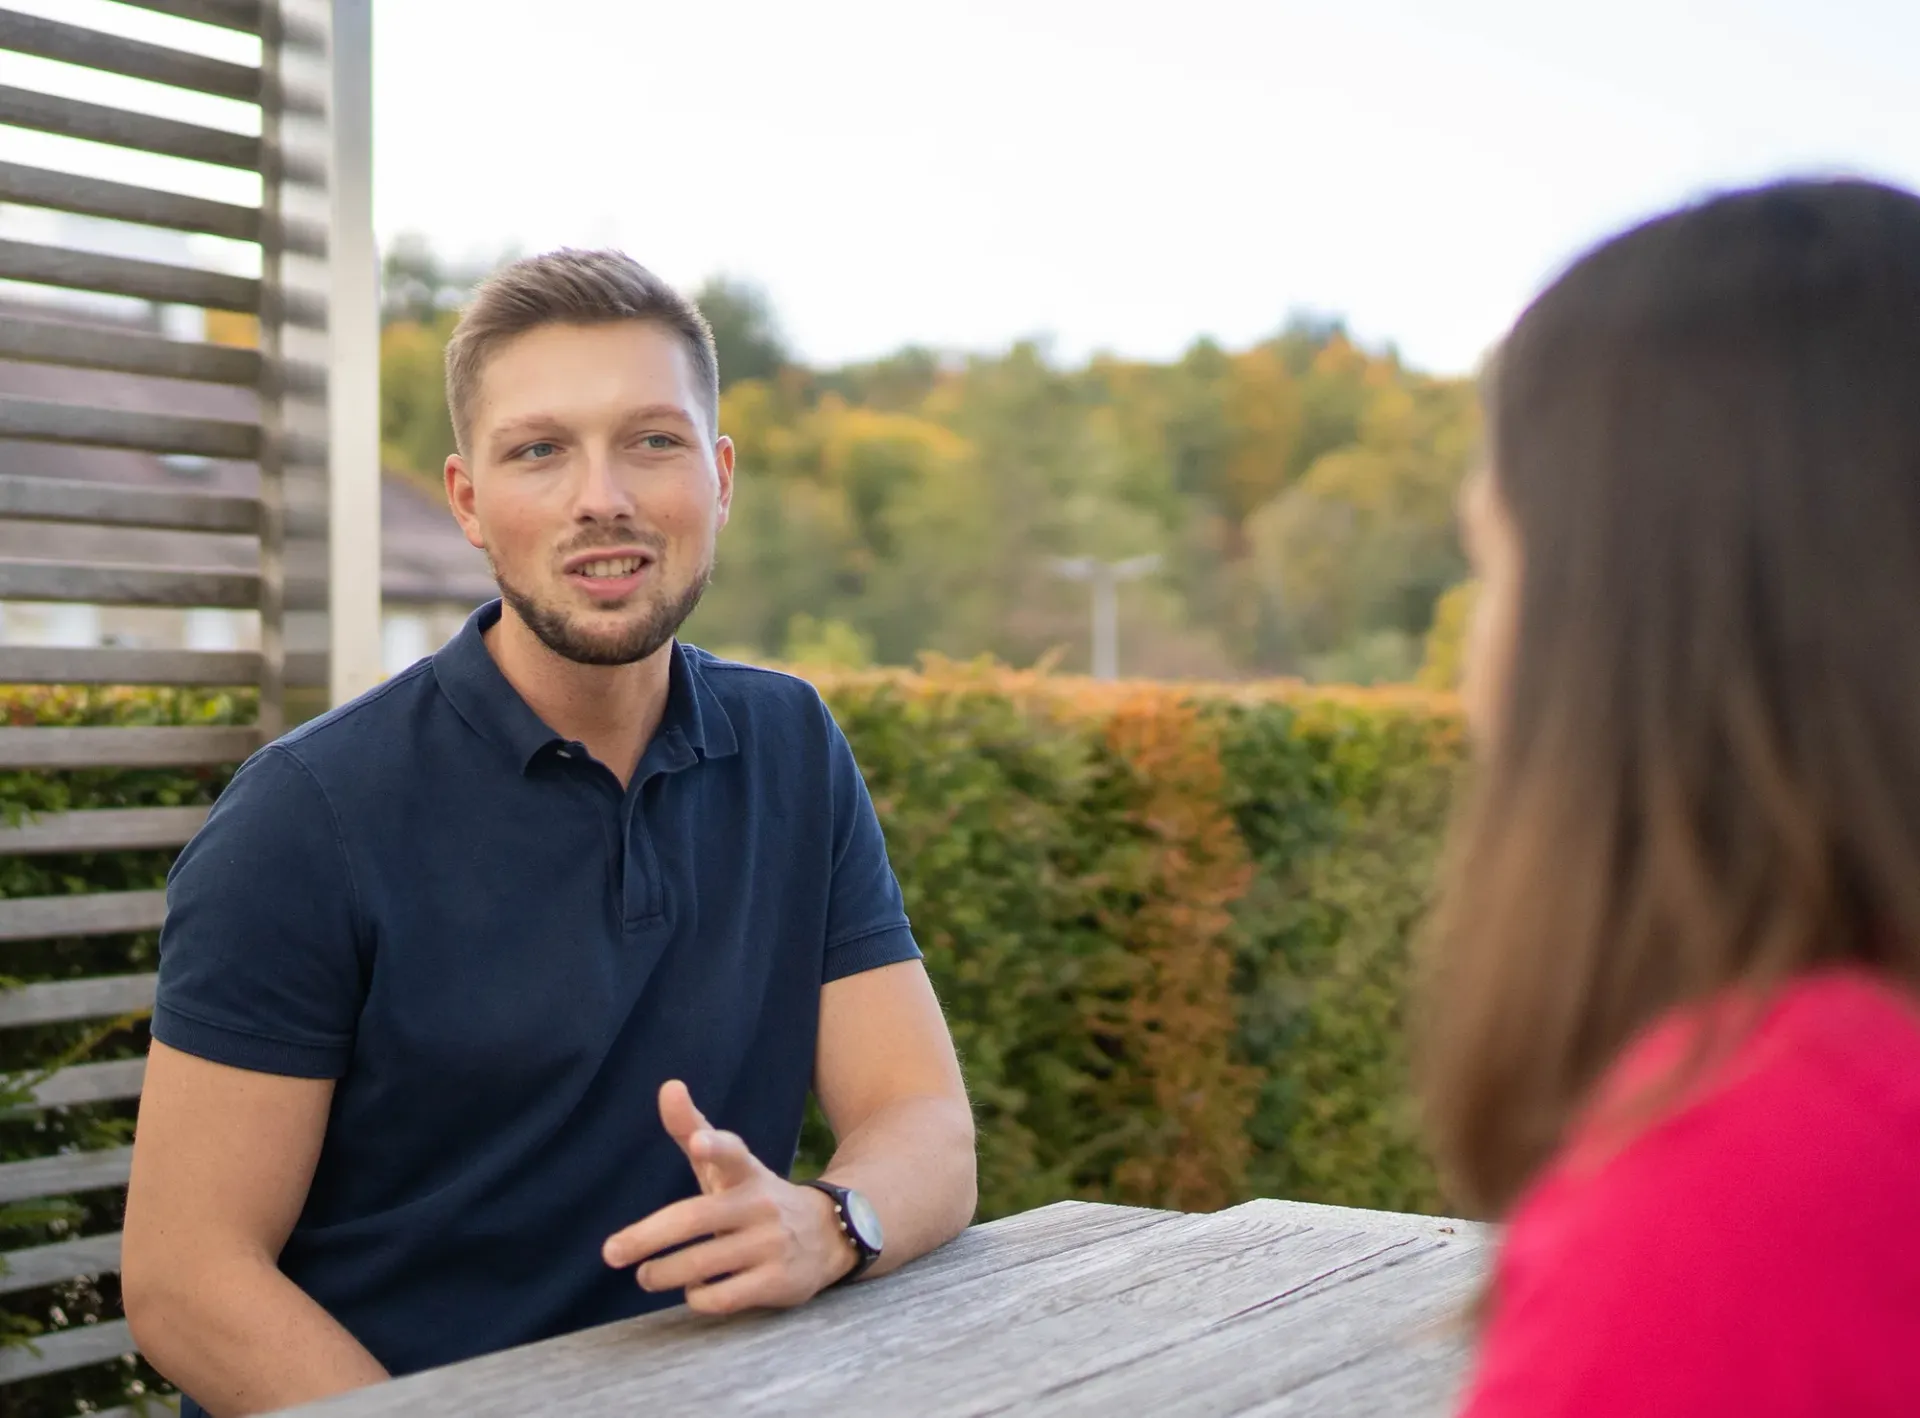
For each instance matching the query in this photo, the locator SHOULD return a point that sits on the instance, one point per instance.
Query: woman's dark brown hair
(1705, 766)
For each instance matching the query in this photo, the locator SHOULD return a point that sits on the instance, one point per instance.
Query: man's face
(595, 486)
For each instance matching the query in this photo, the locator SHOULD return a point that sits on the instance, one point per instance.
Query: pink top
(1755, 1251)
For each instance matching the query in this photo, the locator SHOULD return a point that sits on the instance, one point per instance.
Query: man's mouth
(612, 567)
(610, 578)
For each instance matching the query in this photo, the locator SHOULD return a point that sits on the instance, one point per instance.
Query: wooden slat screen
(110, 1081)
(121, 829)
(36, 664)
(63, 1000)
(242, 15)
(116, 201)
(70, 1172)
(84, 913)
(58, 500)
(67, 1350)
(255, 416)
(167, 137)
(48, 749)
(66, 1260)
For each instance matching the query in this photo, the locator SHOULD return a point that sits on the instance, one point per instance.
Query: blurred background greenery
(1299, 493)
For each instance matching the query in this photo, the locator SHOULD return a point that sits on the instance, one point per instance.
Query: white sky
(1113, 173)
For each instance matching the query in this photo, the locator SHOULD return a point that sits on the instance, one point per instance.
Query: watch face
(864, 1220)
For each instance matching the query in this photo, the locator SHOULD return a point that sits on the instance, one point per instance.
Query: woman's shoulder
(1800, 1098)
(1743, 1063)
(1751, 1231)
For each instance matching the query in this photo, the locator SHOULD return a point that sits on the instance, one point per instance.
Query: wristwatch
(859, 1223)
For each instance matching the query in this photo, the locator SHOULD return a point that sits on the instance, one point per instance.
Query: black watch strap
(866, 1248)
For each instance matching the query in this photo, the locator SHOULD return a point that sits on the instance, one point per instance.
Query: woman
(1673, 1021)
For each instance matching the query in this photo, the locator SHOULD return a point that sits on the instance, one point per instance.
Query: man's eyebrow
(548, 423)
(525, 424)
(651, 412)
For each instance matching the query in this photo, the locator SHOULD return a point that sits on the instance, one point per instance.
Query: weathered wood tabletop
(1268, 1308)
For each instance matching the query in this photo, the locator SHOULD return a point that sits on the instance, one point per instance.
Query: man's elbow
(966, 1167)
(145, 1284)
(161, 1288)
(967, 1202)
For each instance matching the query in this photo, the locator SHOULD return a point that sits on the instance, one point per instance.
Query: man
(455, 976)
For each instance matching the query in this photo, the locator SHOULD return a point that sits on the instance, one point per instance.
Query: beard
(663, 615)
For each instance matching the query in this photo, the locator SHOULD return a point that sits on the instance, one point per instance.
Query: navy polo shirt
(501, 955)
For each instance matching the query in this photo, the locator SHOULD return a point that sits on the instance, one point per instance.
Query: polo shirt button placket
(643, 897)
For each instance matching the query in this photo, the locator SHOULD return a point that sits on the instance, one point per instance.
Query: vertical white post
(353, 373)
(1105, 578)
(272, 715)
(1106, 623)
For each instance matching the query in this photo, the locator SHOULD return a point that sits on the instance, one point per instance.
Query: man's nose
(601, 494)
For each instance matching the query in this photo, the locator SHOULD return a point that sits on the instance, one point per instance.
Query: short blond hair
(569, 287)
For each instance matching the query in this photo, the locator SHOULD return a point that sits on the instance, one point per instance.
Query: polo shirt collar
(695, 726)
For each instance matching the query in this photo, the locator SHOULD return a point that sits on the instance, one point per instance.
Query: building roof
(424, 556)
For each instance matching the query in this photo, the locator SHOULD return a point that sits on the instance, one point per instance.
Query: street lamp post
(1105, 578)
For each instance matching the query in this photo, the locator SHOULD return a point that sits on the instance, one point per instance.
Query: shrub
(1169, 924)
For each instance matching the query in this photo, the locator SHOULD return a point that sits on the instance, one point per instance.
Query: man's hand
(751, 1239)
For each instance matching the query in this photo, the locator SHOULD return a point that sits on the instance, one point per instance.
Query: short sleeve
(867, 924)
(259, 955)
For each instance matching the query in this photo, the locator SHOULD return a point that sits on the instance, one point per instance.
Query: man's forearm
(914, 1160)
(242, 1338)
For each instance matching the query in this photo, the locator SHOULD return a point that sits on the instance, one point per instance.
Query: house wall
(409, 632)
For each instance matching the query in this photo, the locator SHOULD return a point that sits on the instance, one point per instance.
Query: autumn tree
(1299, 494)
(745, 333)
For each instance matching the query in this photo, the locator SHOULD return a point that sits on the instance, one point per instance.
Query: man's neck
(614, 710)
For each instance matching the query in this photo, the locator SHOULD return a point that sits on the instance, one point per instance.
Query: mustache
(614, 538)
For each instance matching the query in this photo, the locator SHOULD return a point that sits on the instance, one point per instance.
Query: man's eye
(542, 449)
(660, 442)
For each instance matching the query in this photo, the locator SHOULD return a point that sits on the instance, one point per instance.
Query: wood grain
(679, 1339)
(114, 664)
(1070, 1310)
(158, 64)
(98, 585)
(66, 1260)
(80, 913)
(52, 113)
(1013, 1351)
(106, 829)
(1308, 1213)
(82, 347)
(66, 1173)
(126, 748)
(61, 1001)
(114, 1081)
(63, 500)
(242, 15)
(122, 275)
(121, 202)
(1322, 1349)
(69, 1349)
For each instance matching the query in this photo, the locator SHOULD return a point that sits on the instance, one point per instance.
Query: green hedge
(26, 1054)
(1015, 827)
(1168, 925)
(1343, 803)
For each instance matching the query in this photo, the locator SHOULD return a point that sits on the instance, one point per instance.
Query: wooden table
(1269, 1308)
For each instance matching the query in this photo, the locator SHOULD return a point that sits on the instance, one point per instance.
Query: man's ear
(723, 465)
(460, 498)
